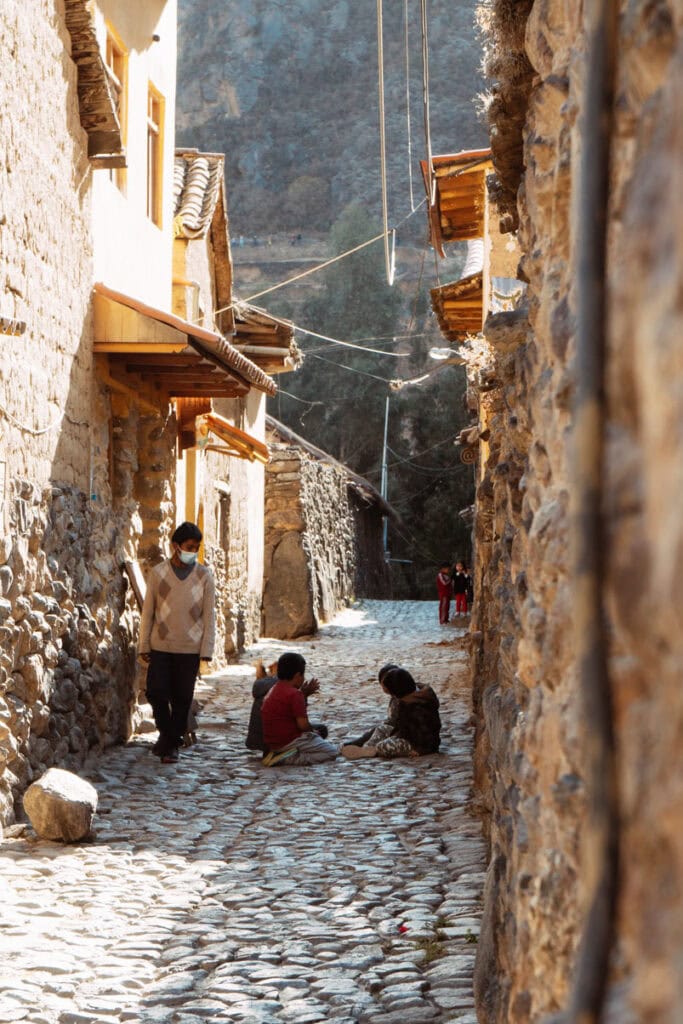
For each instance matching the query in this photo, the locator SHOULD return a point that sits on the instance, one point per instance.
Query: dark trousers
(444, 608)
(170, 689)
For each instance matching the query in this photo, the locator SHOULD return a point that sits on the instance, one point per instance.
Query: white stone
(60, 805)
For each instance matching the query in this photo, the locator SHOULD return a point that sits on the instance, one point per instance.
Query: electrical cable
(348, 344)
(406, 43)
(408, 458)
(351, 369)
(424, 21)
(389, 258)
(319, 266)
(296, 398)
(35, 432)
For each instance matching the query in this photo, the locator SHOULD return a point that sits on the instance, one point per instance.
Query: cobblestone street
(217, 889)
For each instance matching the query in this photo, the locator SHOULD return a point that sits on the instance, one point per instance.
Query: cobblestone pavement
(219, 890)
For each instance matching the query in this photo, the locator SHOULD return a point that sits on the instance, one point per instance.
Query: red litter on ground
(402, 928)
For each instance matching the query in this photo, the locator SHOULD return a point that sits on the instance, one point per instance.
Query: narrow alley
(217, 889)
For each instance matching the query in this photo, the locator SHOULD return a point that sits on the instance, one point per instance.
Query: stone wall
(85, 479)
(532, 737)
(309, 554)
(372, 578)
(232, 507)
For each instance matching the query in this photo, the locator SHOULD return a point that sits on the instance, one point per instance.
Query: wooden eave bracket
(96, 102)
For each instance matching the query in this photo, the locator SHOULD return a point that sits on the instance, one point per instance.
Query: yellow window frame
(156, 109)
(116, 62)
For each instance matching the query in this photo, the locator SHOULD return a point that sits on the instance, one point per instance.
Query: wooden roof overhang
(458, 184)
(459, 307)
(169, 356)
(266, 340)
(96, 101)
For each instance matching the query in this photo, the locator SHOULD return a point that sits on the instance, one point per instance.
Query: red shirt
(279, 712)
(444, 585)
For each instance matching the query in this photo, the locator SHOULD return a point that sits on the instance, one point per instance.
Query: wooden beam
(116, 385)
(139, 347)
(152, 359)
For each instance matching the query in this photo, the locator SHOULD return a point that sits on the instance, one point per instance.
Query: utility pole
(384, 486)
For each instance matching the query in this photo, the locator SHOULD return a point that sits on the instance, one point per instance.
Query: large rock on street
(60, 805)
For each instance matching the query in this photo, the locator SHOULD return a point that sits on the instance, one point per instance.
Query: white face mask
(187, 557)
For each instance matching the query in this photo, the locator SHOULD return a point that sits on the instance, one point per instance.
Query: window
(116, 61)
(155, 141)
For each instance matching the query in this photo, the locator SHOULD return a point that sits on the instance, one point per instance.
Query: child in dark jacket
(413, 727)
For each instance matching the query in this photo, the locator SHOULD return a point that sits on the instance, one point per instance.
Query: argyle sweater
(178, 616)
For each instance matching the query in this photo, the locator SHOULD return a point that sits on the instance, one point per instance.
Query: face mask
(187, 557)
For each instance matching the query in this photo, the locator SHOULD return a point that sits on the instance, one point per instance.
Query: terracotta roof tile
(197, 180)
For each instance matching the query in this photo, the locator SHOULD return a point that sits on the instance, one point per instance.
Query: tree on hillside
(348, 389)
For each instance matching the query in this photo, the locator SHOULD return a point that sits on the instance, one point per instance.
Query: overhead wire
(416, 455)
(349, 344)
(406, 42)
(389, 257)
(424, 25)
(318, 266)
(351, 369)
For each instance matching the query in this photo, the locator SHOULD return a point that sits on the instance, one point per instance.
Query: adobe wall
(233, 501)
(309, 543)
(66, 660)
(532, 737)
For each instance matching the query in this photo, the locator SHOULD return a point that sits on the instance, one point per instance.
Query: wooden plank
(153, 359)
(114, 322)
(137, 581)
(137, 347)
(208, 390)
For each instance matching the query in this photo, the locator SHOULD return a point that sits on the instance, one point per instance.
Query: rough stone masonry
(532, 738)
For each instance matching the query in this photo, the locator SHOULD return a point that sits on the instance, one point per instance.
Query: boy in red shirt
(287, 731)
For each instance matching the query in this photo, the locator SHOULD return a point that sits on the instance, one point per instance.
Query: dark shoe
(158, 748)
(170, 757)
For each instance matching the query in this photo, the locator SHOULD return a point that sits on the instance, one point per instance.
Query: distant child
(444, 588)
(413, 727)
(461, 584)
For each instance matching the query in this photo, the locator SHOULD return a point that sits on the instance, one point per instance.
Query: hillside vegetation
(288, 90)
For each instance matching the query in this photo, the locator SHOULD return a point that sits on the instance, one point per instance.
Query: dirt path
(218, 890)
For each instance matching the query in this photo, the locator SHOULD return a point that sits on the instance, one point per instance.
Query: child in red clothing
(287, 732)
(461, 581)
(444, 589)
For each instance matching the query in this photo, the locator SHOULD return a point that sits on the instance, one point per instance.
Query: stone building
(101, 366)
(577, 769)
(323, 527)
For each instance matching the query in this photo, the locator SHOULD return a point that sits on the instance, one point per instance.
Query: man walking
(177, 629)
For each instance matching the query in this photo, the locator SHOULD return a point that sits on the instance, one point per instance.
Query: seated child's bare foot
(354, 753)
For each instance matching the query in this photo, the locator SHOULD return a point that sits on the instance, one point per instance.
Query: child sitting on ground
(265, 681)
(413, 726)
